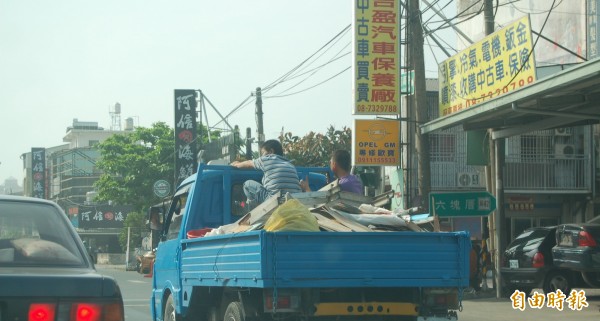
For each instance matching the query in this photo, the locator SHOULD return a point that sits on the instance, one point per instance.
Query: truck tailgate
(327, 259)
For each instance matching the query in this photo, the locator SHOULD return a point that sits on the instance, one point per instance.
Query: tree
(314, 149)
(132, 162)
(135, 220)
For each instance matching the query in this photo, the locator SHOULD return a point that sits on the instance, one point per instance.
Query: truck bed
(263, 259)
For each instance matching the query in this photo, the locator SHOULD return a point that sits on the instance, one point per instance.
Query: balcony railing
(548, 172)
(521, 173)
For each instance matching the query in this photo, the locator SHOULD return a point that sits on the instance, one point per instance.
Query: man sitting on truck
(278, 174)
(340, 164)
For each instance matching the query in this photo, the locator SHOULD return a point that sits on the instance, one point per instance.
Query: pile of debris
(335, 211)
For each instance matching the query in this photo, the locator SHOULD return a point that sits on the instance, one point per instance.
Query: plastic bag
(292, 216)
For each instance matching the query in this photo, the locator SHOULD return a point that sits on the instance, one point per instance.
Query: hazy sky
(67, 59)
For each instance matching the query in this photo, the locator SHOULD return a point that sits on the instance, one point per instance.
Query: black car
(528, 264)
(578, 248)
(45, 272)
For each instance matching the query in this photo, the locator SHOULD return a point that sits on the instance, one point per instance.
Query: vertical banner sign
(185, 134)
(499, 64)
(593, 28)
(376, 59)
(376, 142)
(38, 172)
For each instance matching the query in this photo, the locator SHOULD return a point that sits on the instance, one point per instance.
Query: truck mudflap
(366, 309)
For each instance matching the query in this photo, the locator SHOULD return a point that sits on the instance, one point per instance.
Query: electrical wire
(321, 55)
(323, 65)
(288, 75)
(460, 15)
(280, 79)
(312, 74)
(512, 3)
(439, 9)
(311, 87)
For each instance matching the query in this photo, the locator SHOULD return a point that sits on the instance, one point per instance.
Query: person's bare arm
(244, 164)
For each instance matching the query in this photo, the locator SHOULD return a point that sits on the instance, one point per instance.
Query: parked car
(528, 264)
(578, 248)
(45, 271)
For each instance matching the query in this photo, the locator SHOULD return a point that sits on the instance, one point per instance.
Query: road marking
(136, 281)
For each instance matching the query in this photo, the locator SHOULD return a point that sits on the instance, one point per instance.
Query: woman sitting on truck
(278, 174)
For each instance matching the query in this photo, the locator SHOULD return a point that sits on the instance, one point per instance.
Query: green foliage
(314, 150)
(132, 162)
(137, 222)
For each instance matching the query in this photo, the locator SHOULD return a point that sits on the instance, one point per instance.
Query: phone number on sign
(377, 108)
(377, 160)
(515, 84)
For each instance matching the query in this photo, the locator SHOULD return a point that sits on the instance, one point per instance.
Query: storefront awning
(568, 98)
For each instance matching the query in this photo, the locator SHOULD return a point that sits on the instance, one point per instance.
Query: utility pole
(248, 143)
(417, 63)
(496, 173)
(259, 117)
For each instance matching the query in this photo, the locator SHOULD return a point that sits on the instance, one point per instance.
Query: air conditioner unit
(470, 179)
(564, 150)
(563, 131)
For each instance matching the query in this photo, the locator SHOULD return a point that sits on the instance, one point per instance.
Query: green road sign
(461, 204)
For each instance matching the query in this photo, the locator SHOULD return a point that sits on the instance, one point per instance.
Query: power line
(280, 79)
(321, 55)
(301, 91)
(312, 74)
(288, 75)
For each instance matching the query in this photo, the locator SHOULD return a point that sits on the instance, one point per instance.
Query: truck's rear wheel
(169, 313)
(234, 312)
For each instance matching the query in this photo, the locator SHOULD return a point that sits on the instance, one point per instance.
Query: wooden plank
(330, 225)
(262, 212)
(355, 226)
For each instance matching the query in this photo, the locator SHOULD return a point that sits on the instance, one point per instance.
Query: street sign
(461, 204)
(162, 188)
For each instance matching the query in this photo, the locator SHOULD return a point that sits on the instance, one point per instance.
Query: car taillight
(86, 312)
(538, 260)
(42, 312)
(585, 239)
(77, 311)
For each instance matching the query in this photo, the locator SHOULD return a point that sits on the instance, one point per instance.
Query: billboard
(105, 216)
(376, 142)
(376, 58)
(498, 64)
(185, 134)
(38, 172)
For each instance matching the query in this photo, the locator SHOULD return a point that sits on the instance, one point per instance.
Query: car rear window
(35, 234)
(530, 237)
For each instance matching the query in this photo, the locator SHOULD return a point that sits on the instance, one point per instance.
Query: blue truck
(260, 275)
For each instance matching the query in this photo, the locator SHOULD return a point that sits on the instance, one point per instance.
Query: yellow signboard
(376, 142)
(376, 58)
(499, 64)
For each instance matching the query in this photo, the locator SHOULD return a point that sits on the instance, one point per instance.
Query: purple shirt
(351, 184)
